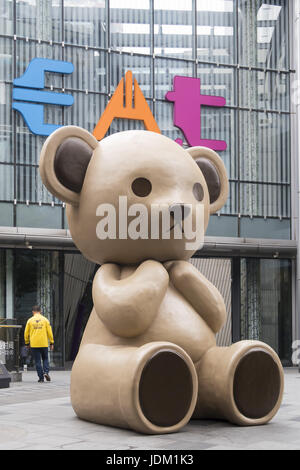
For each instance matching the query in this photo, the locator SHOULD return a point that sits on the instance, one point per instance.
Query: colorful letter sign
(30, 96)
(127, 102)
(116, 108)
(188, 100)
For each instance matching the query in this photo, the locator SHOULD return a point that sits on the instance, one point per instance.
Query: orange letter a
(117, 109)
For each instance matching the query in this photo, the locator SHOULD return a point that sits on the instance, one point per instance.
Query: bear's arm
(128, 306)
(201, 294)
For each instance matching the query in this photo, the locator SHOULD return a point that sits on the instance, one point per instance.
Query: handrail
(11, 326)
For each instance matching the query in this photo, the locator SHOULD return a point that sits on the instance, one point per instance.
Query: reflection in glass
(37, 282)
(139, 66)
(6, 134)
(6, 182)
(89, 70)
(85, 23)
(173, 30)
(130, 26)
(218, 81)
(216, 31)
(266, 310)
(264, 90)
(30, 186)
(78, 303)
(265, 157)
(263, 31)
(6, 17)
(219, 124)
(86, 110)
(2, 285)
(165, 71)
(40, 19)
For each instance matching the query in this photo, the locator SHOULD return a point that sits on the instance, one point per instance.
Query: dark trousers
(39, 355)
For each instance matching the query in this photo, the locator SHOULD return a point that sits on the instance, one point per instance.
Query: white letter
(141, 221)
(198, 235)
(123, 218)
(108, 221)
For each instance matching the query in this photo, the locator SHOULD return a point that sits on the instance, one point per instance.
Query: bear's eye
(198, 191)
(141, 187)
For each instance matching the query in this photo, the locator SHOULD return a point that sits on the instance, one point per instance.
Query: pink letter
(188, 100)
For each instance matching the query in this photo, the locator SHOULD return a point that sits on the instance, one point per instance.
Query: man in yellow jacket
(38, 333)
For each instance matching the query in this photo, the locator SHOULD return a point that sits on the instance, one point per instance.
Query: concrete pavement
(39, 416)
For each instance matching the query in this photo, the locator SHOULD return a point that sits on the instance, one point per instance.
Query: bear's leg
(151, 389)
(242, 384)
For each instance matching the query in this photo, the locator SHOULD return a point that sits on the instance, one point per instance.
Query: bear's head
(109, 185)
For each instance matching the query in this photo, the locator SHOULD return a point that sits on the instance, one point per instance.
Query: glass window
(218, 81)
(216, 31)
(6, 214)
(89, 69)
(140, 67)
(28, 145)
(213, 40)
(264, 90)
(6, 17)
(6, 134)
(254, 227)
(37, 282)
(130, 26)
(120, 125)
(165, 71)
(78, 302)
(86, 110)
(39, 19)
(6, 182)
(35, 216)
(60, 283)
(219, 124)
(266, 304)
(164, 119)
(85, 22)
(231, 205)
(30, 187)
(263, 33)
(26, 51)
(265, 147)
(222, 226)
(2, 285)
(173, 28)
(6, 65)
(6, 61)
(265, 200)
(218, 272)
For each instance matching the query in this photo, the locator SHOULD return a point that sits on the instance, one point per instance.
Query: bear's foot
(166, 389)
(256, 384)
(151, 389)
(242, 384)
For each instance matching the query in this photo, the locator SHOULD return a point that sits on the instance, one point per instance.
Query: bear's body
(176, 321)
(148, 359)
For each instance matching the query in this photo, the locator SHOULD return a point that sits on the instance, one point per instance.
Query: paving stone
(39, 416)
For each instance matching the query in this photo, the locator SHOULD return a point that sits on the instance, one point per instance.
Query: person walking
(38, 333)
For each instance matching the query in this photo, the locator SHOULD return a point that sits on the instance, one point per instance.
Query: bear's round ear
(64, 160)
(215, 174)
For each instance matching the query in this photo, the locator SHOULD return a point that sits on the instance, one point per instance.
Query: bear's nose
(179, 212)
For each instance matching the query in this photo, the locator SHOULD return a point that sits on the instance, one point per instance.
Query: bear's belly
(176, 322)
(179, 323)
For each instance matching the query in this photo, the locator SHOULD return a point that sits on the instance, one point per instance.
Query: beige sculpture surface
(148, 359)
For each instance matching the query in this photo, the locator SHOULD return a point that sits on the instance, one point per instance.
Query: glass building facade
(240, 50)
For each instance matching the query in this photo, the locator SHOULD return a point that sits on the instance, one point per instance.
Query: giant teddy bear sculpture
(148, 360)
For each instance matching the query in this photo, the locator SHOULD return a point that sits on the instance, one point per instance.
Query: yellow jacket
(38, 332)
